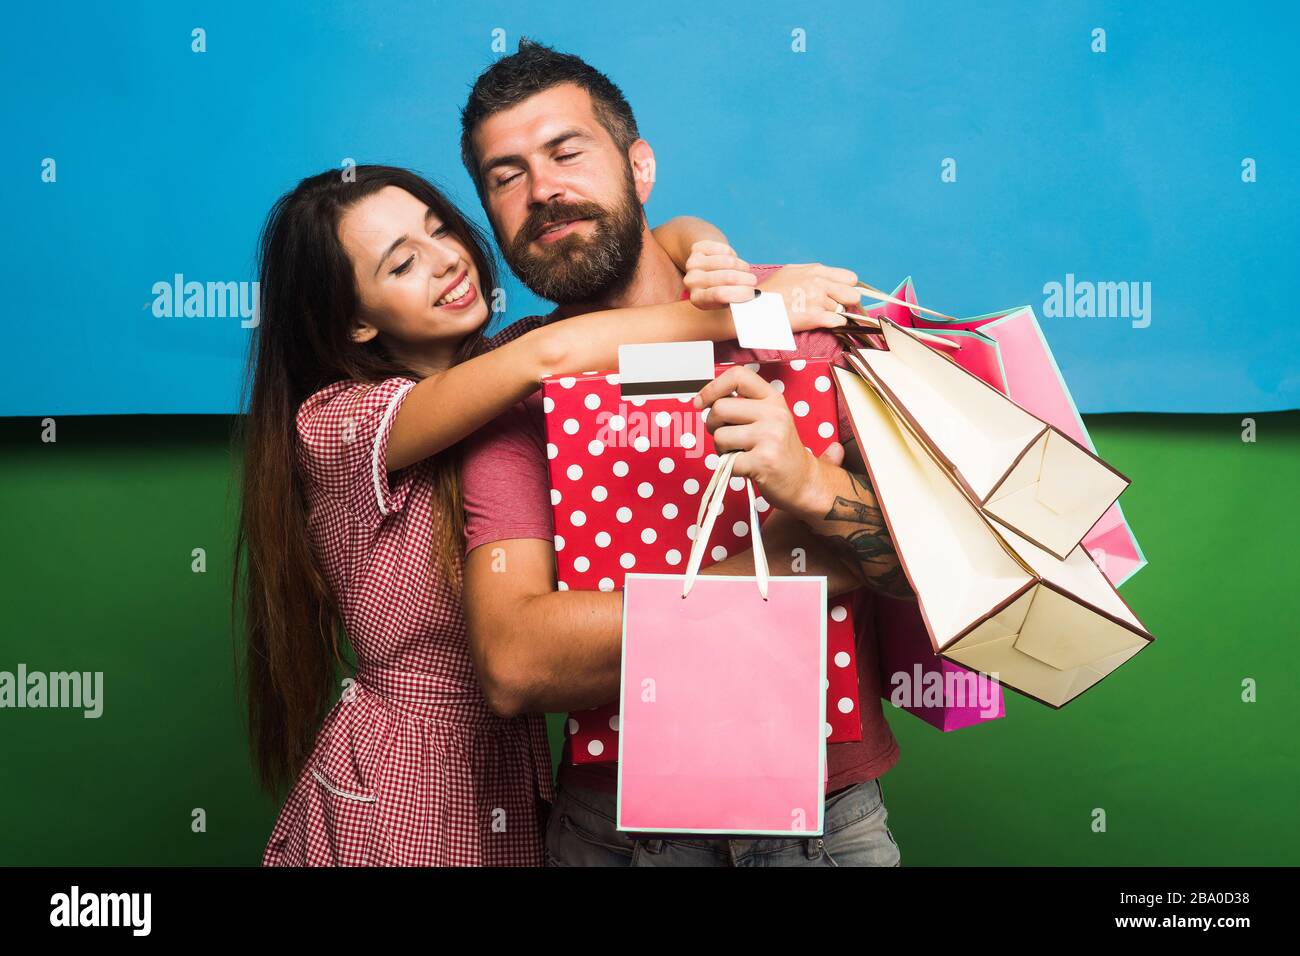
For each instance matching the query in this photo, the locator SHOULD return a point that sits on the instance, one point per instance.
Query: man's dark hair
(534, 68)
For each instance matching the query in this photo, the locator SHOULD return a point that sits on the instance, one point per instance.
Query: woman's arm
(451, 404)
(680, 233)
(714, 274)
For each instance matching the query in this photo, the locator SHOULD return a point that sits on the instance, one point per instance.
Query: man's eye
(573, 155)
(507, 180)
(404, 267)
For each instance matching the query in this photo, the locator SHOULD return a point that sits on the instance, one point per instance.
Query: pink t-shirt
(507, 493)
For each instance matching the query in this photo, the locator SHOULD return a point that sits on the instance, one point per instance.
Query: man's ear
(642, 158)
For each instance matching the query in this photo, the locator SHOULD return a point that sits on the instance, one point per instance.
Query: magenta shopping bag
(913, 677)
(723, 709)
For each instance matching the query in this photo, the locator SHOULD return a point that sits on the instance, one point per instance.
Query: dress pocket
(346, 780)
(347, 821)
(360, 796)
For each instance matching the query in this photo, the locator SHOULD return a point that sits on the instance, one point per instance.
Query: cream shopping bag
(992, 600)
(1020, 471)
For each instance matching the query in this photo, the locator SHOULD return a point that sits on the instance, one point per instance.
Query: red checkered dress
(410, 767)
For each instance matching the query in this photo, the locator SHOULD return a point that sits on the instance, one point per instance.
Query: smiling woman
(417, 279)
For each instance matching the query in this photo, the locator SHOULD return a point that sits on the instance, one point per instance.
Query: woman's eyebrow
(430, 214)
(389, 251)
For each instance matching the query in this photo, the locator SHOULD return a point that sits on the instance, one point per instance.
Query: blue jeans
(581, 832)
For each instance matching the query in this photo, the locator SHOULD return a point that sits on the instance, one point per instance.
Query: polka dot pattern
(637, 469)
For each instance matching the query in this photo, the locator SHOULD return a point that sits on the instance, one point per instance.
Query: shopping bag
(916, 679)
(1008, 350)
(991, 600)
(626, 474)
(1018, 469)
(722, 706)
(912, 676)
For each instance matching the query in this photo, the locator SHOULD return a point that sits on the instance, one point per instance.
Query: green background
(99, 528)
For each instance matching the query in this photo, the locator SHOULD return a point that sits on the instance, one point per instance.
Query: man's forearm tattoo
(869, 544)
(858, 512)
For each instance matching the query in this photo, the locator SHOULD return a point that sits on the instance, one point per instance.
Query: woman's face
(417, 282)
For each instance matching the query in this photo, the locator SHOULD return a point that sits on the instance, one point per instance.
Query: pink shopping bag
(723, 710)
(1009, 351)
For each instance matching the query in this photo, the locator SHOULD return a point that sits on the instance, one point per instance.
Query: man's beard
(576, 269)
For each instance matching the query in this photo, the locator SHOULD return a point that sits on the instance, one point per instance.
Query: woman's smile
(460, 295)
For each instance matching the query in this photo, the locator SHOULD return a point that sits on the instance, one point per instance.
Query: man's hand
(748, 416)
(744, 413)
(815, 295)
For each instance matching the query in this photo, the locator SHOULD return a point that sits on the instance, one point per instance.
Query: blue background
(1115, 166)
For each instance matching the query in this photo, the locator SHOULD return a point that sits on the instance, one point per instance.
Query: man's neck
(656, 281)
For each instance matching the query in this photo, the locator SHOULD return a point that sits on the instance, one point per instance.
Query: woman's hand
(716, 276)
(815, 295)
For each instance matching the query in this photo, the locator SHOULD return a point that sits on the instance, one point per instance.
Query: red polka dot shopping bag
(626, 478)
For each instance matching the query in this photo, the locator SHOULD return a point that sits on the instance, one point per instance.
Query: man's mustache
(543, 216)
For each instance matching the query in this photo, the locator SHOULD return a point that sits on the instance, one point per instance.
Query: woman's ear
(363, 332)
(642, 158)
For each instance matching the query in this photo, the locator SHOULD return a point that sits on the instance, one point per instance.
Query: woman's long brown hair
(302, 343)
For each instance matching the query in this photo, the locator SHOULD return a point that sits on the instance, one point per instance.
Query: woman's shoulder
(342, 446)
(349, 398)
(355, 388)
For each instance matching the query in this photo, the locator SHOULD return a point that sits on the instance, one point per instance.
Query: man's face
(561, 196)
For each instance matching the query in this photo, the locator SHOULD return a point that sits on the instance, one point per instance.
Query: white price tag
(763, 323)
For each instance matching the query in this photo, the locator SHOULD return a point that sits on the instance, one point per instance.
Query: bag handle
(861, 327)
(710, 508)
(861, 321)
(873, 293)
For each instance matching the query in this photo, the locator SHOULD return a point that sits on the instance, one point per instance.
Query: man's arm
(537, 649)
(533, 649)
(843, 511)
